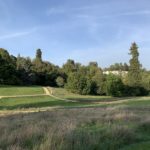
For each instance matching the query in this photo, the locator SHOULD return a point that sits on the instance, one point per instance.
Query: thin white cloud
(143, 12)
(54, 11)
(62, 10)
(87, 16)
(17, 34)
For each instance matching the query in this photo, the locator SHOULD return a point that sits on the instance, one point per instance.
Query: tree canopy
(134, 75)
(78, 78)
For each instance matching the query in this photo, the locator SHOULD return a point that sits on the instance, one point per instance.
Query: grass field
(91, 123)
(109, 128)
(14, 90)
(48, 101)
(62, 93)
(35, 102)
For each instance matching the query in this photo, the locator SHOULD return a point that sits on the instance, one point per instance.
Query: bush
(135, 91)
(60, 81)
(114, 86)
(79, 83)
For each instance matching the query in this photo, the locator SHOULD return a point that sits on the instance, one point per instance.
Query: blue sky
(83, 30)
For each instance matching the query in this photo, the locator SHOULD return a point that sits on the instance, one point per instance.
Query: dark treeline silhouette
(127, 80)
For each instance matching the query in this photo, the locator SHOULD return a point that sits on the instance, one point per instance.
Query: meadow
(95, 124)
(18, 90)
(63, 93)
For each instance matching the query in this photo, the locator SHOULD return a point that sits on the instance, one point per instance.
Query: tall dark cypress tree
(39, 54)
(134, 76)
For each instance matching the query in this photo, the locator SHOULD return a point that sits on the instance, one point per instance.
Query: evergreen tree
(134, 76)
(39, 54)
(37, 62)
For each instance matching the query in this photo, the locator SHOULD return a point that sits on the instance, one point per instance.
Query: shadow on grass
(112, 99)
(42, 104)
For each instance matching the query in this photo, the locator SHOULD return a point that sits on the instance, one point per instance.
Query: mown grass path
(50, 91)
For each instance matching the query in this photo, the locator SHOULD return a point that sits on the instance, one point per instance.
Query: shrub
(135, 91)
(60, 81)
(114, 86)
(78, 83)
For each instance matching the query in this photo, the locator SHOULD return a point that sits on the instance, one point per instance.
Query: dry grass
(71, 129)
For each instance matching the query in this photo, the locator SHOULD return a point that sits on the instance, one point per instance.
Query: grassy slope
(63, 93)
(122, 126)
(109, 128)
(47, 101)
(14, 90)
(35, 102)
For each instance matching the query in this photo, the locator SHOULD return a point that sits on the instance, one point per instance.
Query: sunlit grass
(16, 90)
(63, 93)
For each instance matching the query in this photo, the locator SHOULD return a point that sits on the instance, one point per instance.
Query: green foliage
(7, 68)
(96, 75)
(135, 91)
(23, 63)
(78, 83)
(118, 67)
(5, 55)
(60, 81)
(145, 82)
(38, 55)
(114, 86)
(134, 75)
(74, 76)
(136, 84)
(70, 66)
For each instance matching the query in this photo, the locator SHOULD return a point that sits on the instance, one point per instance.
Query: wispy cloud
(130, 13)
(62, 10)
(54, 11)
(17, 34)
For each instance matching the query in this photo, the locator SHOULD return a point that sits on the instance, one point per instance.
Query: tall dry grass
(108, 128)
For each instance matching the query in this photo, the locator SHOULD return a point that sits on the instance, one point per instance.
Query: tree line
(77, 78)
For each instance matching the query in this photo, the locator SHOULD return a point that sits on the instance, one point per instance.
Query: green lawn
(16, 90)
(136, 103)
(35, 102)
(63, 93)
(47, 101)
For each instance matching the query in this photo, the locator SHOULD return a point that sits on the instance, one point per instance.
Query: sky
(83, 30)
